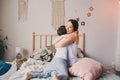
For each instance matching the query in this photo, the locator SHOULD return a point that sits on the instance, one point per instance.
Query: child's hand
(65, 36)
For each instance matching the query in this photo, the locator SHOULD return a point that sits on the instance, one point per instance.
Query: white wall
(101, 31)
(100, 28)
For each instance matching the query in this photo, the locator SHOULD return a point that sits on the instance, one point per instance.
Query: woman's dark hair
(61, 30)
(74, 23)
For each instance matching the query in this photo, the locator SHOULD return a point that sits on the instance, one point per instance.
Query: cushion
(4, 67)
(44, 54)
(87, 68)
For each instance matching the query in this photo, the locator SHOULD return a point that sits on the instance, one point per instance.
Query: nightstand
(19, 60)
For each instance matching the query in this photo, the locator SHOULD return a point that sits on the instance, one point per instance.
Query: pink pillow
(87, 68)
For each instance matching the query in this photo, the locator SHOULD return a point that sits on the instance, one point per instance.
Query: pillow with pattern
(45, 54)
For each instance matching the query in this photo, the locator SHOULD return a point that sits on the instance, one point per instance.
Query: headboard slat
(33, 42)
(50, 39)
(40, 39)
(45, 40)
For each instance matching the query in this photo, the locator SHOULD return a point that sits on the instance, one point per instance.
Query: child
(60, 31)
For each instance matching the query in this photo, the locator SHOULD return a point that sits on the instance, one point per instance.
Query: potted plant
(3, 46)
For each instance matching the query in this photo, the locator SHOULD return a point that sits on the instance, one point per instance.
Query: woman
(71, 42)
(72, 34)
(66, 45)
(58, 65)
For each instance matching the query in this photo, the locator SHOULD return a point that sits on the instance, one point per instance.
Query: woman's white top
(68, 53)
(72, 53)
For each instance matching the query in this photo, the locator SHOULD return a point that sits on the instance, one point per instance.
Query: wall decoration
(78, 19)
(58, 13)
(22, 10)
(88, 14)
(91, 8)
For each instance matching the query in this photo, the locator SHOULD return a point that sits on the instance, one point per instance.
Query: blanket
(37, 66)
(40, 66)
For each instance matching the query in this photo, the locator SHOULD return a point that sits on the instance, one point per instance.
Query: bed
(43, 52)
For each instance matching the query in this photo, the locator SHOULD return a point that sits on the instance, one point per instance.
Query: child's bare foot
(26, 76)
(55, 77)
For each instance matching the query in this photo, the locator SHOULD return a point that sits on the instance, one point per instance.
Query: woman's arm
(71, 38)
(57, 39)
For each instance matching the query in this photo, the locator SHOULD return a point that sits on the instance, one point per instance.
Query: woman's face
(69, 28)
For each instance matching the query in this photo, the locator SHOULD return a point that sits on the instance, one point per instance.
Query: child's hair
(61, 30)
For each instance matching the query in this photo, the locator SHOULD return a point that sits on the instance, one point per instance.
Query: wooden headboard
(43, 40)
